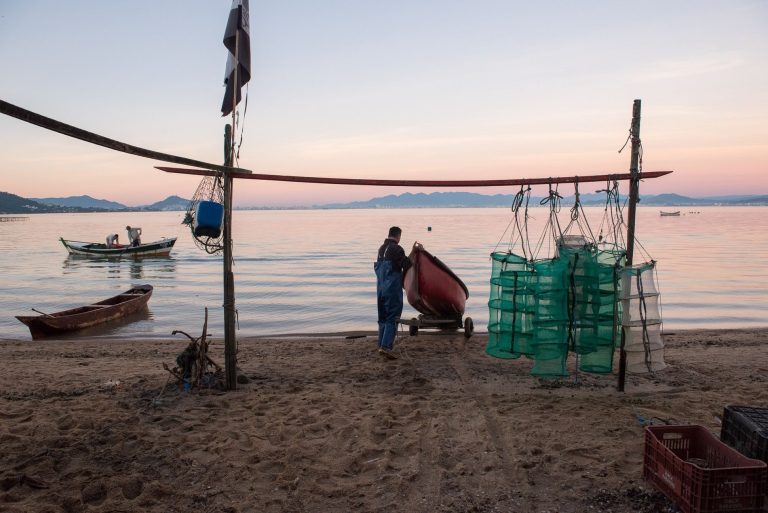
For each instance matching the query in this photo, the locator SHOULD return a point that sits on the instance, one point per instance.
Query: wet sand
(327, 425)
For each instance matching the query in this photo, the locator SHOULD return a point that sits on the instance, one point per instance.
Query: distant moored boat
(675, 213)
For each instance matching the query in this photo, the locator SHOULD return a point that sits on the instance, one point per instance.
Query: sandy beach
(327, 425)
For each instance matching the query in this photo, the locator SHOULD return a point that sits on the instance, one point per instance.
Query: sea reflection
(135, 269)
(310, 271)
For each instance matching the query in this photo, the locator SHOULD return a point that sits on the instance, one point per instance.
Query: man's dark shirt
(393, 252)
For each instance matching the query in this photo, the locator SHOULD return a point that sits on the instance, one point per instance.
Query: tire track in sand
(424, 492)
(516, 473)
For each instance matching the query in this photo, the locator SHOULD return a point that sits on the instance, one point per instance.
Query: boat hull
(158, 248)
(74, 319)
(432, 288)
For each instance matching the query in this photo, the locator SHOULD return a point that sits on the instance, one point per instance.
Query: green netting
(599, 361)
(527, 312)
(510, 306)
(550, 337)
(544, 308)
(594, 305)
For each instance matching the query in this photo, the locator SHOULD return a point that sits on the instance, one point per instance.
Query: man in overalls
(391, 264)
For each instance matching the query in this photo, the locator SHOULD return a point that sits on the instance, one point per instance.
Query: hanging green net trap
(571, 301)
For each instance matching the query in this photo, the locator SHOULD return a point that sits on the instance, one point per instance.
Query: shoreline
(325, 424)
(350, 334)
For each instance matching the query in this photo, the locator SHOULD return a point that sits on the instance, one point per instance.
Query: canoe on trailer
(47, 325)
(432, 288)
(161, 247)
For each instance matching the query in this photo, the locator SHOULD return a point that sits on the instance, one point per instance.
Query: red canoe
(432, 288)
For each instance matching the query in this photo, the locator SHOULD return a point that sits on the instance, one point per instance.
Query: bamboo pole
(634, 194)
(422, 183)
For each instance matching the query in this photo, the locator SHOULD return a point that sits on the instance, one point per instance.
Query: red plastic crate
(700, 473)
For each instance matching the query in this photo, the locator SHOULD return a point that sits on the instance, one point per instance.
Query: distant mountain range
(471, 199)
(13, 204)
(81, 202)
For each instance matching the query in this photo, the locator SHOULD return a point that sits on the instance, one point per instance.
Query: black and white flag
(238, 29)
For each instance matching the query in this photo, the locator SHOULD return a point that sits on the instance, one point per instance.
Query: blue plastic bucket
(209, 218)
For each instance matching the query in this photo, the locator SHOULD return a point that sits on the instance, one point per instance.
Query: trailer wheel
(413, 329)
(469, 327)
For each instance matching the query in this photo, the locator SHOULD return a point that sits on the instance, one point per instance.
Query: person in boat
(134, 235)
(391, 264)
(113, 240)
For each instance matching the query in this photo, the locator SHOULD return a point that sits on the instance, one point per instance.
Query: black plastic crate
(745, 428)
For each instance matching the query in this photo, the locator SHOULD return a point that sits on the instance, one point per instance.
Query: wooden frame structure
(228, 172)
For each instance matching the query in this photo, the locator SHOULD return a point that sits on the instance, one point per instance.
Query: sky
(403, 89)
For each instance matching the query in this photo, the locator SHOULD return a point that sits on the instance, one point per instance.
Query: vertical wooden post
(230, 342)
(634, 194)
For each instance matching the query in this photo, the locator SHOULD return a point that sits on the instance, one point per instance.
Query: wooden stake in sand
(634, 194)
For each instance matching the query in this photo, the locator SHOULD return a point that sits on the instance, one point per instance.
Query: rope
(242, 125)
(658, 291)
(643, 311)
(629, 138)
(617, 216)
(572, 304)
(613, 216)
(210, 189)
(514, 315)
(640, 148)
(553, 224)
(523, 194)
(644, 253)
(577, 215)
(521, 231)
(511, 235)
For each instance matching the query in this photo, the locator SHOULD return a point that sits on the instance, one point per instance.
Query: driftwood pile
(194, 368)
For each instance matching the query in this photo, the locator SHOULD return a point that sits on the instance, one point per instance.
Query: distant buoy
(429, 228)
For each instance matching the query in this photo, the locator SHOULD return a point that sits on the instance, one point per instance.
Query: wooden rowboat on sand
(161, 247)
(121, 305)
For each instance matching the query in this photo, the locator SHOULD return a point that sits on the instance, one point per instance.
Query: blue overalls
(389, 296)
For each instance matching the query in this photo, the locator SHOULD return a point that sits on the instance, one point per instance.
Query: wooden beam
(423, 183)
(209, 169)
(78, 133)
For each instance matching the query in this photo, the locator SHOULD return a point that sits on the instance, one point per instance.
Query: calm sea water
(311, 271)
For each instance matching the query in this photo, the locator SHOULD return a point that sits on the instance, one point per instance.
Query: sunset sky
(416, 89)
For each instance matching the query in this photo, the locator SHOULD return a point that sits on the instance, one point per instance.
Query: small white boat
(159, 248)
